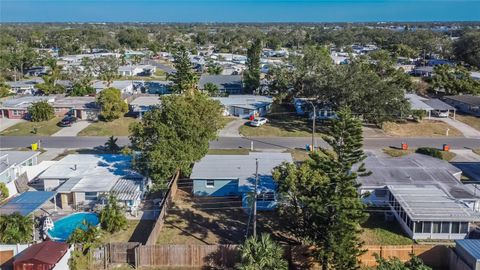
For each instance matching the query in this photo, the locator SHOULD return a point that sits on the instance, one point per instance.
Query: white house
(85, 179)
(125, 87)
(12, 165)
(244, 106)
(136, 70)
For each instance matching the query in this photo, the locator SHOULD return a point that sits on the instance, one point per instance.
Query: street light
(313, 125)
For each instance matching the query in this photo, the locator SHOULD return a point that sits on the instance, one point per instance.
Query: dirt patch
(425, 128)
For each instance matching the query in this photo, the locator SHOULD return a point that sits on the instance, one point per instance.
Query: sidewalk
(73, 130)
(467, 130)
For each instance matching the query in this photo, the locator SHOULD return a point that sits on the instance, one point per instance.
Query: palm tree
(111, 145)
(262, 253)
(16, 228)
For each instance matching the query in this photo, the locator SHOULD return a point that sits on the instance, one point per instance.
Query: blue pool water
(65, 226)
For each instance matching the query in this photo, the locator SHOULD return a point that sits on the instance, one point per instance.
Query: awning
(27, 203)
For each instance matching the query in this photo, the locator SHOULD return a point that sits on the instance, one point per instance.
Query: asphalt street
(240, 142)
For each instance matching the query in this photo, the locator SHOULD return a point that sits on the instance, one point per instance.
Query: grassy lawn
(377, 231)
(426, 128)
(44, 128)
(236, 151)
(476, 151)
(207, 220)
(282, 122)
(118, 127)
(470, 120)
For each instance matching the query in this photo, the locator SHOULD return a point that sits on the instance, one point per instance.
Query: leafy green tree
(251, 76)
(15, 229)
(5, 90)
(89, 238)
(175, 135)
(132, 38)
(41, 111)
(467, 48)
(215, 70)
(184, 79)
(111, 145)
(111, 103)
(3, 191)
(211, 89)
(394, 263)
(319, 198)
(454, 80)
(49, 85)
(79, 90)
(262, 253)
(105, 67)
(112, 216)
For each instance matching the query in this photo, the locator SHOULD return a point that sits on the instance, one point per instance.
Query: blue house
(234, 175)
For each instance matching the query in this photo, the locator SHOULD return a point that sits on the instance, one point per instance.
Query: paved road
(232, 142)
(161, 66)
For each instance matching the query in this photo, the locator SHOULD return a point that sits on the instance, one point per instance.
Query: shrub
(430, 151)
(41, 111)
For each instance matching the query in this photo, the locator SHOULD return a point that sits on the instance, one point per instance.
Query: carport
(438, 105)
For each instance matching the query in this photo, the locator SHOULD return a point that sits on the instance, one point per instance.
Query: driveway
(73, 130)
(467, 130)
(6, 123)
(231, 129)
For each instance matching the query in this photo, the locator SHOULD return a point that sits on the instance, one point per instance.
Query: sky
(238, 10)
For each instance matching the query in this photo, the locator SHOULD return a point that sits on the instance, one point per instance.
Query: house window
(17, 112)
(210, 183)
(427, 227)
(455, 227)
(418, 227)
(91, 196)
(445, 227)
(266, 197)
(436, 227)
(463, 227)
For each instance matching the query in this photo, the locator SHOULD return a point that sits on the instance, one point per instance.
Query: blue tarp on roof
(27, 202)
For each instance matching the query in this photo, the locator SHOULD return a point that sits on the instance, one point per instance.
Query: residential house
(136, 70)
(431, 106)
(234, 175)
(125, 87)
(231, 84)
(468, 252)
(12, 165)
(47, 255)
(143, 104)
(24, 87)
(87, 179)
(28, 202)
(245, 106)
(323, 111)
(465, 103)
(82, 107)
(427, 212)
(414, 169)
(37, 71)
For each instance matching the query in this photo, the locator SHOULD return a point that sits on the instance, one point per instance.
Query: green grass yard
(118, 127)
(377, 231)
(44, 128)
(470, 120)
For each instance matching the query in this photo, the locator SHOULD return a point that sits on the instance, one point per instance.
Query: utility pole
(255, 201)
(313, 126)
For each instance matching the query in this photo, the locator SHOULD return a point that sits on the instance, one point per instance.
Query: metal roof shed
(43, 256)
(469, 251)
(27, 202)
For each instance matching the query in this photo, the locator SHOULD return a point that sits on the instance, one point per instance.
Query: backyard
(118, 127)
(425, 128)
(208, 220)
(28, 128)
(135, 232)
(377, 231)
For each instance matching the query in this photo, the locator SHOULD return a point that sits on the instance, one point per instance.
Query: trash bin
(446, 147)
(404, 146)
(34, 146)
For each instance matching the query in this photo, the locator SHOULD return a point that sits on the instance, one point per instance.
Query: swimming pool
(65, 226)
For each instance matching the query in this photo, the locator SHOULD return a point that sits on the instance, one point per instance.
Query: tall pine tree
(184, 79)
(321, 196)
(251, 75)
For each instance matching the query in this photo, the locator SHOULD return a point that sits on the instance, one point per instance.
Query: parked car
(441, 114)
(67, 121)
(258, 122)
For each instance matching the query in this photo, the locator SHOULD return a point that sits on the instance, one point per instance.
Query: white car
(258, 122)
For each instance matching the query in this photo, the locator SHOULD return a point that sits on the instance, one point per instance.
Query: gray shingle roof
(468, 99)
(437, 104)
(228, 83)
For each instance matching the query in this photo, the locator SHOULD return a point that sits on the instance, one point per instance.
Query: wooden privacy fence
(122, 252)
(218, 256)
(164, 206)
(435, 256)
